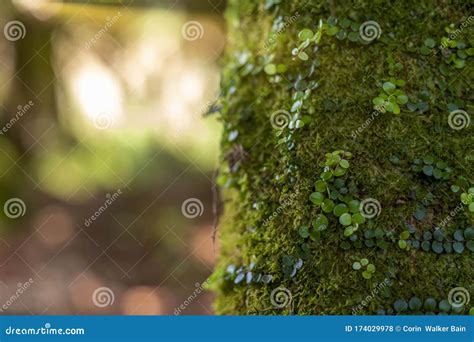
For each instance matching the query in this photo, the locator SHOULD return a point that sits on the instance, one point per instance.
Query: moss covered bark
(416, 164)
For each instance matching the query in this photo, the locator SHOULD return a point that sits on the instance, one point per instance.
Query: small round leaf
(400, 305)
(415, 303)
(345, 219)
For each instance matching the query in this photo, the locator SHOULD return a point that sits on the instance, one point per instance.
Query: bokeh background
(102, 113)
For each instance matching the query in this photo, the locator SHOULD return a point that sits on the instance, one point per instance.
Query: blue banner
(242, 329)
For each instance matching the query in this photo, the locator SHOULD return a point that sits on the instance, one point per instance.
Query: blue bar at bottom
(237, 328)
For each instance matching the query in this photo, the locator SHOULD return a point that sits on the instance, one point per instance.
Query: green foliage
(344, 29)
(390, 98)
(402, 243)
(291, 265)
(307, 37)
(334, 195)
(444, 305)
(304, 232)
(272, 69)
(438, 241)
(429, 306)
(246, 274)
(367, 268)
(467, 198)
(415, 303)
(455, 51)
(400, 305)
(432, 167)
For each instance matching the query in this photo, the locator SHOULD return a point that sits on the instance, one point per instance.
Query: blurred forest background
(104, 103)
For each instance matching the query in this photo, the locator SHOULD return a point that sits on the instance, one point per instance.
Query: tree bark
(382, 95)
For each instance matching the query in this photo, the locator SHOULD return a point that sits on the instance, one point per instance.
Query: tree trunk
(347, 158)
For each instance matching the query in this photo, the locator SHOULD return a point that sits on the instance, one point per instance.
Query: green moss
(276, 165)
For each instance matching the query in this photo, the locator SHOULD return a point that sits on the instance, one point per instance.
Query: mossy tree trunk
(305, 232)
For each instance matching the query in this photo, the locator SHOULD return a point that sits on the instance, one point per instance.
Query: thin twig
(215, 207)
